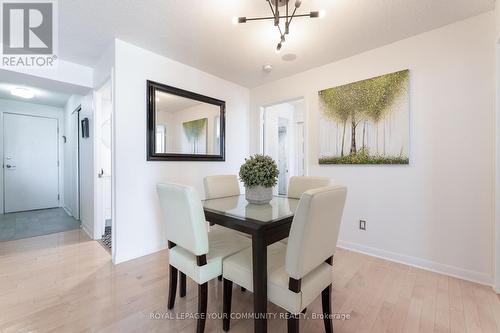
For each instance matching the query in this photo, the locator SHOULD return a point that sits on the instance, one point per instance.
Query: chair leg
(293, 323)
(172, 287)
(202, 307)
(326, 300)
(182, 290)
(226, 304)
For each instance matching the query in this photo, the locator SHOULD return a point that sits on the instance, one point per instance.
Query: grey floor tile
(35, 223)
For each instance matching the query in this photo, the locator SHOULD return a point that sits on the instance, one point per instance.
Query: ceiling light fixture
(23, 93)
(278, 47)
(288, 16)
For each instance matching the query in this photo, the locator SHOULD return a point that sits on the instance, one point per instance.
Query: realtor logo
(28, 33)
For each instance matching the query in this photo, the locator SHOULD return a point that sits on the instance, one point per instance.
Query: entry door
(31, 171)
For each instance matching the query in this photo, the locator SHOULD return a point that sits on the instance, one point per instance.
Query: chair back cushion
(315, 229)
(298, 185)
(184, 217)
(221, 186)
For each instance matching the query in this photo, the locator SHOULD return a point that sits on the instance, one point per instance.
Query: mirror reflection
(186, 126)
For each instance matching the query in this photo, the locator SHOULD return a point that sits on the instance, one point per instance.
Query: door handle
(100, 174)
(8, 166)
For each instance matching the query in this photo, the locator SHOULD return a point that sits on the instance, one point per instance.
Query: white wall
(497, 20)
(497, 161)
(104, 67)
(36, 110)
(497, 170)
(438, 211)
(86, 164)
(139, 229)
(68, 73)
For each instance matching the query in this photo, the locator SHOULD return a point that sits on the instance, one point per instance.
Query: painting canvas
(195, 134)
(366, 122)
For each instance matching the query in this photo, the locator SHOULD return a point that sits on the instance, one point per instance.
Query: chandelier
(288, 16)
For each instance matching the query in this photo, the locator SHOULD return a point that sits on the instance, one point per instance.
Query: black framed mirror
(183, 125)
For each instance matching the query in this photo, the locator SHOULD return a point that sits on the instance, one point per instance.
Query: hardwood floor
(66, 283)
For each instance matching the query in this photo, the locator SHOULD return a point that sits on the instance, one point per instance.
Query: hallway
(21, 225)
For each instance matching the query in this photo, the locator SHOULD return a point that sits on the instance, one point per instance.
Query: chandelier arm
(293, 15)
(272, 9)
(286, 24)
(277, 14)
(281, 33)
(272, 17)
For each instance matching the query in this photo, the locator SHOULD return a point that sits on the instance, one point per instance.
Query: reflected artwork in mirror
(184, 126)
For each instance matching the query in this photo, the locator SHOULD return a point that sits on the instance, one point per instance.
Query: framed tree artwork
(366, 122)
(195, 133)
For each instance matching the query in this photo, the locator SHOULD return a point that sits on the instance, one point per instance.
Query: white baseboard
(428, 265)
(496, 287)
(84, 228)
(118, 259)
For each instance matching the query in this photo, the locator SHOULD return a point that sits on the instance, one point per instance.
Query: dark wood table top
(237, 213)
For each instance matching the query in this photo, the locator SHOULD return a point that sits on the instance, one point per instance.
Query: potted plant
(259, 173)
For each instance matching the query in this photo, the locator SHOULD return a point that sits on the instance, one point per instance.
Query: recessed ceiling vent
(289, 57)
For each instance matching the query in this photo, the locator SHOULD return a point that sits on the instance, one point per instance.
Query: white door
(31, 171)
(71, 147)
(300, 149)
(283, 156)
(103, 139)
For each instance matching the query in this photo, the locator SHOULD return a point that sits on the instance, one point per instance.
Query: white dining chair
(302, 270)
(193, 251)
(297, 185)
(221, 186)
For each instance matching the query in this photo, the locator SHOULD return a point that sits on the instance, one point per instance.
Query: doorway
(283, 139)
(103, 163)
(31, 163)
(32, 179)
(72, 163)
(283, 156)
(39, 149)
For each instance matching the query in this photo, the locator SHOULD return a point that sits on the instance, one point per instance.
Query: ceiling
(201, 33)
(42, 96)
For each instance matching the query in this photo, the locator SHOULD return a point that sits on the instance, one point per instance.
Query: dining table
(265, 224)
